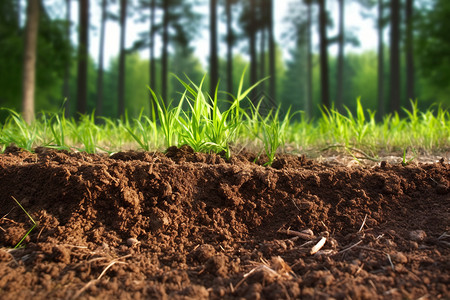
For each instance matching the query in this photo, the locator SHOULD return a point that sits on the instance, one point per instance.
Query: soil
(185, 225)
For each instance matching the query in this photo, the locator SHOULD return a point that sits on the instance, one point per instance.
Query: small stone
(413, 245)
(400, 258)
(417, 235)
(132, 242)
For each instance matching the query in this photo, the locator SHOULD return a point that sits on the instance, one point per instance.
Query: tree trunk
(121, 83)
(165, 42)
(230, 39)
(83, 44)
(272, 63)
(323, 54)
(409, 51)
(18, 11)
(29, 60)
(262, 55)
(252, 46)
(101, 51)
(66, 88)
(381, 107)
(340, 66)
(213, 63)
(152, 48)
(309, 100)
(395, 56)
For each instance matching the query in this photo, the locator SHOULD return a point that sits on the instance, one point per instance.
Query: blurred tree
(99, 106)
(296, 87)
(272, 54)
(230, 39)
(340, 66)
(410, 94)
(29, 60)
(323, 53)
(152, 31)
(83, 46)
(381, 21)
(213, 51)
(309, 68)
(395, 57)
(381, 102)
(122, 54)
(433, 48)
(66, 91)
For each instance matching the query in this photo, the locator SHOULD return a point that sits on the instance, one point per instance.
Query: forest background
(55, 70)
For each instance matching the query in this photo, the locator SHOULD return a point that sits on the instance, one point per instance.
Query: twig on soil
(318, 246)
(94, 281)
(350, 247)
(363, 223)
(302, 235)
(371, 249)
(8, 251)
(390, 261)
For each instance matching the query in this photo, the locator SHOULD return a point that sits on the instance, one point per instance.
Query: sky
(363, 28)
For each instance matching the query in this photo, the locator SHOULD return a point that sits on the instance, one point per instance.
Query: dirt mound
(194, 226)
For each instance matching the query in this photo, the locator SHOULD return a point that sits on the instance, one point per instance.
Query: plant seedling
(406, 162)
(31, 229)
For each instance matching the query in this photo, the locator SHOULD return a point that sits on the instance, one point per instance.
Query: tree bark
(83, 44)
(309, 100)
(323, 53)
(66, 88)
(152, 47)
(99, 109)
(381, 107)
(213, 59)
(272, 63)
(29, 60)
(230, 41)
(165, 42)
(121, 83)
(409, 51)
(340, 66)
(395, 56)
(252, 45)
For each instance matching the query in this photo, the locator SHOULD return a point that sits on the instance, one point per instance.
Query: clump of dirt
(194, 225)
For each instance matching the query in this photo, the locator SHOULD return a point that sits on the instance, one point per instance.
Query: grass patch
(200, 121)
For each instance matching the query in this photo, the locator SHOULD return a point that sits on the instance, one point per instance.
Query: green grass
(200, 121)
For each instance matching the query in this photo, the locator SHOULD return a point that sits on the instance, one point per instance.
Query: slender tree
(230, 42)
(83, 44)
(213, 56)
(263, 26)
(309, 86)
(409, 50)
(272, 63)
(165, 46)
(395, 56)
(66, 88)
(152, 46)
(121, 82)
(252, 45)
(18, 10)
(99, 109)
(340, 66)
(29, 60)
(323, 53)
(381, 107)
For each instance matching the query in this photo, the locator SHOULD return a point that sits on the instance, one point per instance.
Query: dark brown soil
(185, 225)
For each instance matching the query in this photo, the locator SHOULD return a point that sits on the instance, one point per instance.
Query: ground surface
(193, 226)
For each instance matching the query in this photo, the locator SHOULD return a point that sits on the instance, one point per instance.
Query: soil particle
(186, 225)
